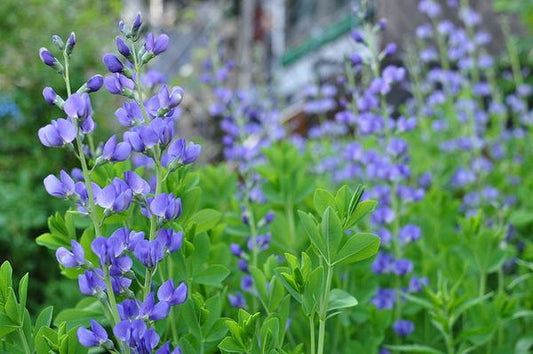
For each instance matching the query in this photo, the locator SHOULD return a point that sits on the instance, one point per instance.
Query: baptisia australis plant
(250, 122)
(117, 266)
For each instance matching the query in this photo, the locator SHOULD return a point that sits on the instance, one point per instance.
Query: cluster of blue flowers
(150, 139)
(249, 123)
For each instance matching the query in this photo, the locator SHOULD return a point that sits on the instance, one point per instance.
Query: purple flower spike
(60, 188)
(91, 282)
(137, 185)
(112, 63)
(166, 206)
(174, 296)
(95, 83)
(58, 133)
(123, 48)
(72, 259)
(156, 46)
(94, 337)
(50, 96)
(116, 152)
(47, 57)
(403, 327)
(170, 239)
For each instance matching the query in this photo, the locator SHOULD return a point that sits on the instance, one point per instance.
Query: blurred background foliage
(25, 206)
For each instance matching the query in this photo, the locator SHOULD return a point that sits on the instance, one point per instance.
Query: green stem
(83, 161)
(111, 297)
(289, 209)
(312, 333)
(324, 311)
(24, 341)
(450, 349)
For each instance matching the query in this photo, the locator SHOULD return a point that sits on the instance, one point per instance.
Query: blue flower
(70, 259)
(165, 206)
(58, 133)
(59, 188)
(94, 337)
(403, 327)
(172, 295)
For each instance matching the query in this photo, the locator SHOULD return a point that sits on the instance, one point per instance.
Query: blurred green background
(24, 162)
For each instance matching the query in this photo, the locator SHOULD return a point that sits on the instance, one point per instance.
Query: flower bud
(49, 60)
(112, 63)
(390, 49)
(95, 83)
(47, 57)
(123, 48)
(136, 26)
(58, 42)
(71, 42)
(49, 95)
(382, 24)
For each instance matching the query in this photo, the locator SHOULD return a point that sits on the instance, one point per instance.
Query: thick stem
(324, 311)
(24, 341)
(312, 333)
(289, 209)
(111, 297)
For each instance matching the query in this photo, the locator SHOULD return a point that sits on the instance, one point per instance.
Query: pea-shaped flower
(62, 187)
(91, 282)
(113, 151)
(58, 133)
(116, 197)
(165, 349)
(70, 259)
(170, 239)
(94, 337)
(118, 84)
(149, 253)
(165, 206)
(157, 45)
(137, 185)
(172, 295)
(129, 114)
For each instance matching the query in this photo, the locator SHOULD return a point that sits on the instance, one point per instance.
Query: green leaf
(322, 199)
(7, 325)
(213, 275)
(52, 241)
(206, 219)
(362, 210)
(229, 345)
(23, 291)
(358, 248)
(340, 299)
(413, 348)
(260, 284)
(313, 291)
(44, 319)
(332, 232)
(311, 229)
(12, 308)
